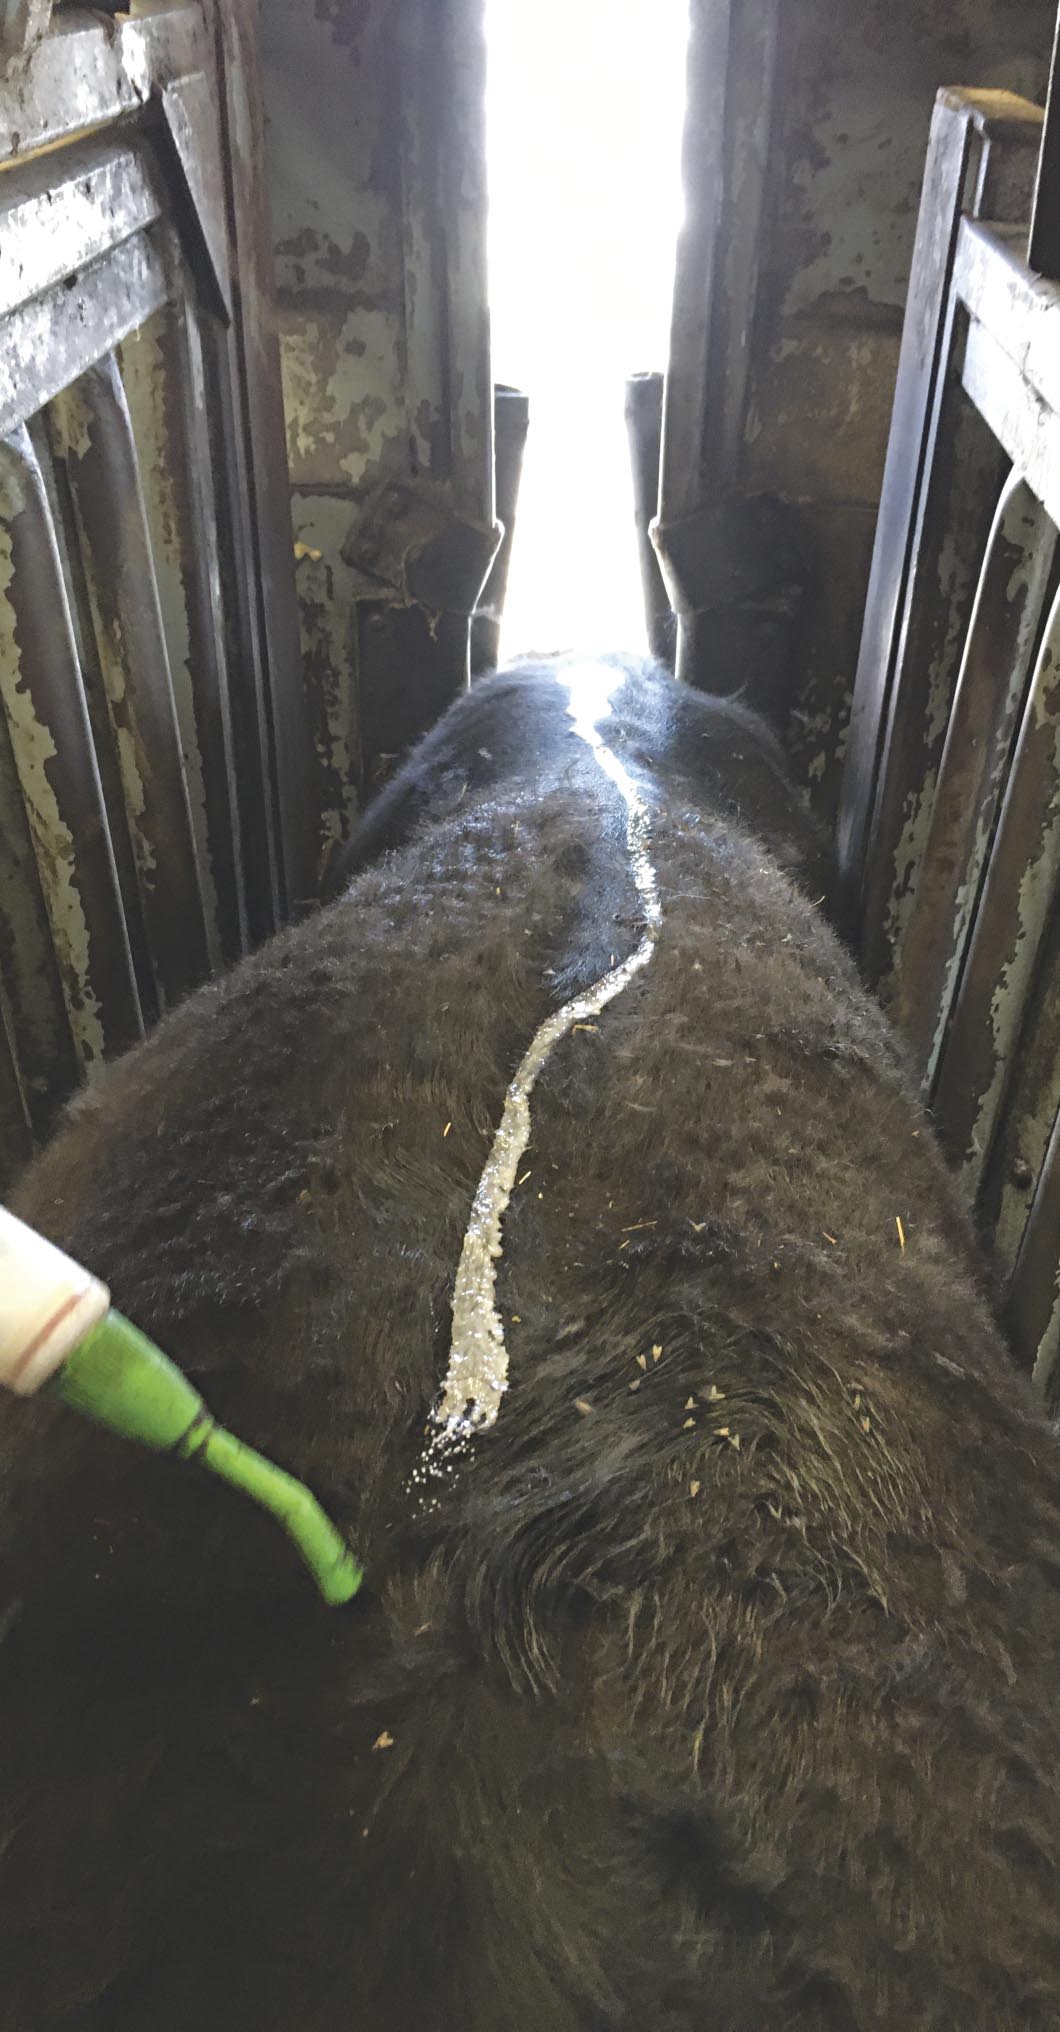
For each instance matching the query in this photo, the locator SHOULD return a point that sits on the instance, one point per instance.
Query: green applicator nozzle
(58, 1330)
(119, 1378)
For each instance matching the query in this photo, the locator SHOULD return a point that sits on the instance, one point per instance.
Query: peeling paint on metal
(327, 592)
(147, 369)
(34, 748)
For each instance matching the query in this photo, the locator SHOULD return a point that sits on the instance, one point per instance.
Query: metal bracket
(727, 553)
(411, 541)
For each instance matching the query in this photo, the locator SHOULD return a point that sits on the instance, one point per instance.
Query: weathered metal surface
(924, 567)
(1043, 255)
(91, 434)
(644, 404)
(251, 729)
(1018, 418)
(46, 343)
(1011, 367)
(449, 393)
(377, 168)
(412, 663)
(161, 368)
(64, 525)
(88, 71)
(1020, 311)
(511, 422)
(43, 700)
(731, 67)
(1032, 1103)
(189, 124)
(831, 135)
(735, 581)
(411, 542)
(734, 603)
(327, 595)
(1018, 894)
(250, 355)
(63, 211)
(115, 577)
(22, 23)
(36, 1012)
(995, 668)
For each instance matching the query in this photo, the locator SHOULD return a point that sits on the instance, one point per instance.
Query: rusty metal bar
(46, 344)
(88, 71)
(1043, 254)
(644, 405)
(162, 372)
(511, 422)
(980, 155)
(443, 179)
(43, 699)
(248, 380)
(995, 668)
(91, 433)
(1004, 948)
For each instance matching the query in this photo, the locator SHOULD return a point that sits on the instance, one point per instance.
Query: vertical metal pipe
(999, 651)
(248, 380)
(64, 523)
(1044, 251)
(44, 703)
(644, 406)
(92, 434)
(162, 372)
(251, 724)
(511, 422)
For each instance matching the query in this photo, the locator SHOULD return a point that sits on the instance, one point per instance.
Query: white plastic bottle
(47, 1306)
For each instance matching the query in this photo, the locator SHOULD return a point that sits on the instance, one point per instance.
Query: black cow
(717, 1686)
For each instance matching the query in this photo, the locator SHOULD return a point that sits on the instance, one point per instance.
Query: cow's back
(716, 1683)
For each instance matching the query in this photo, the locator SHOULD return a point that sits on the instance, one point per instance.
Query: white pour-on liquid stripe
(477, 1377)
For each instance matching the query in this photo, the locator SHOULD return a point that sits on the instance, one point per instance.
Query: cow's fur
(721, 1692)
